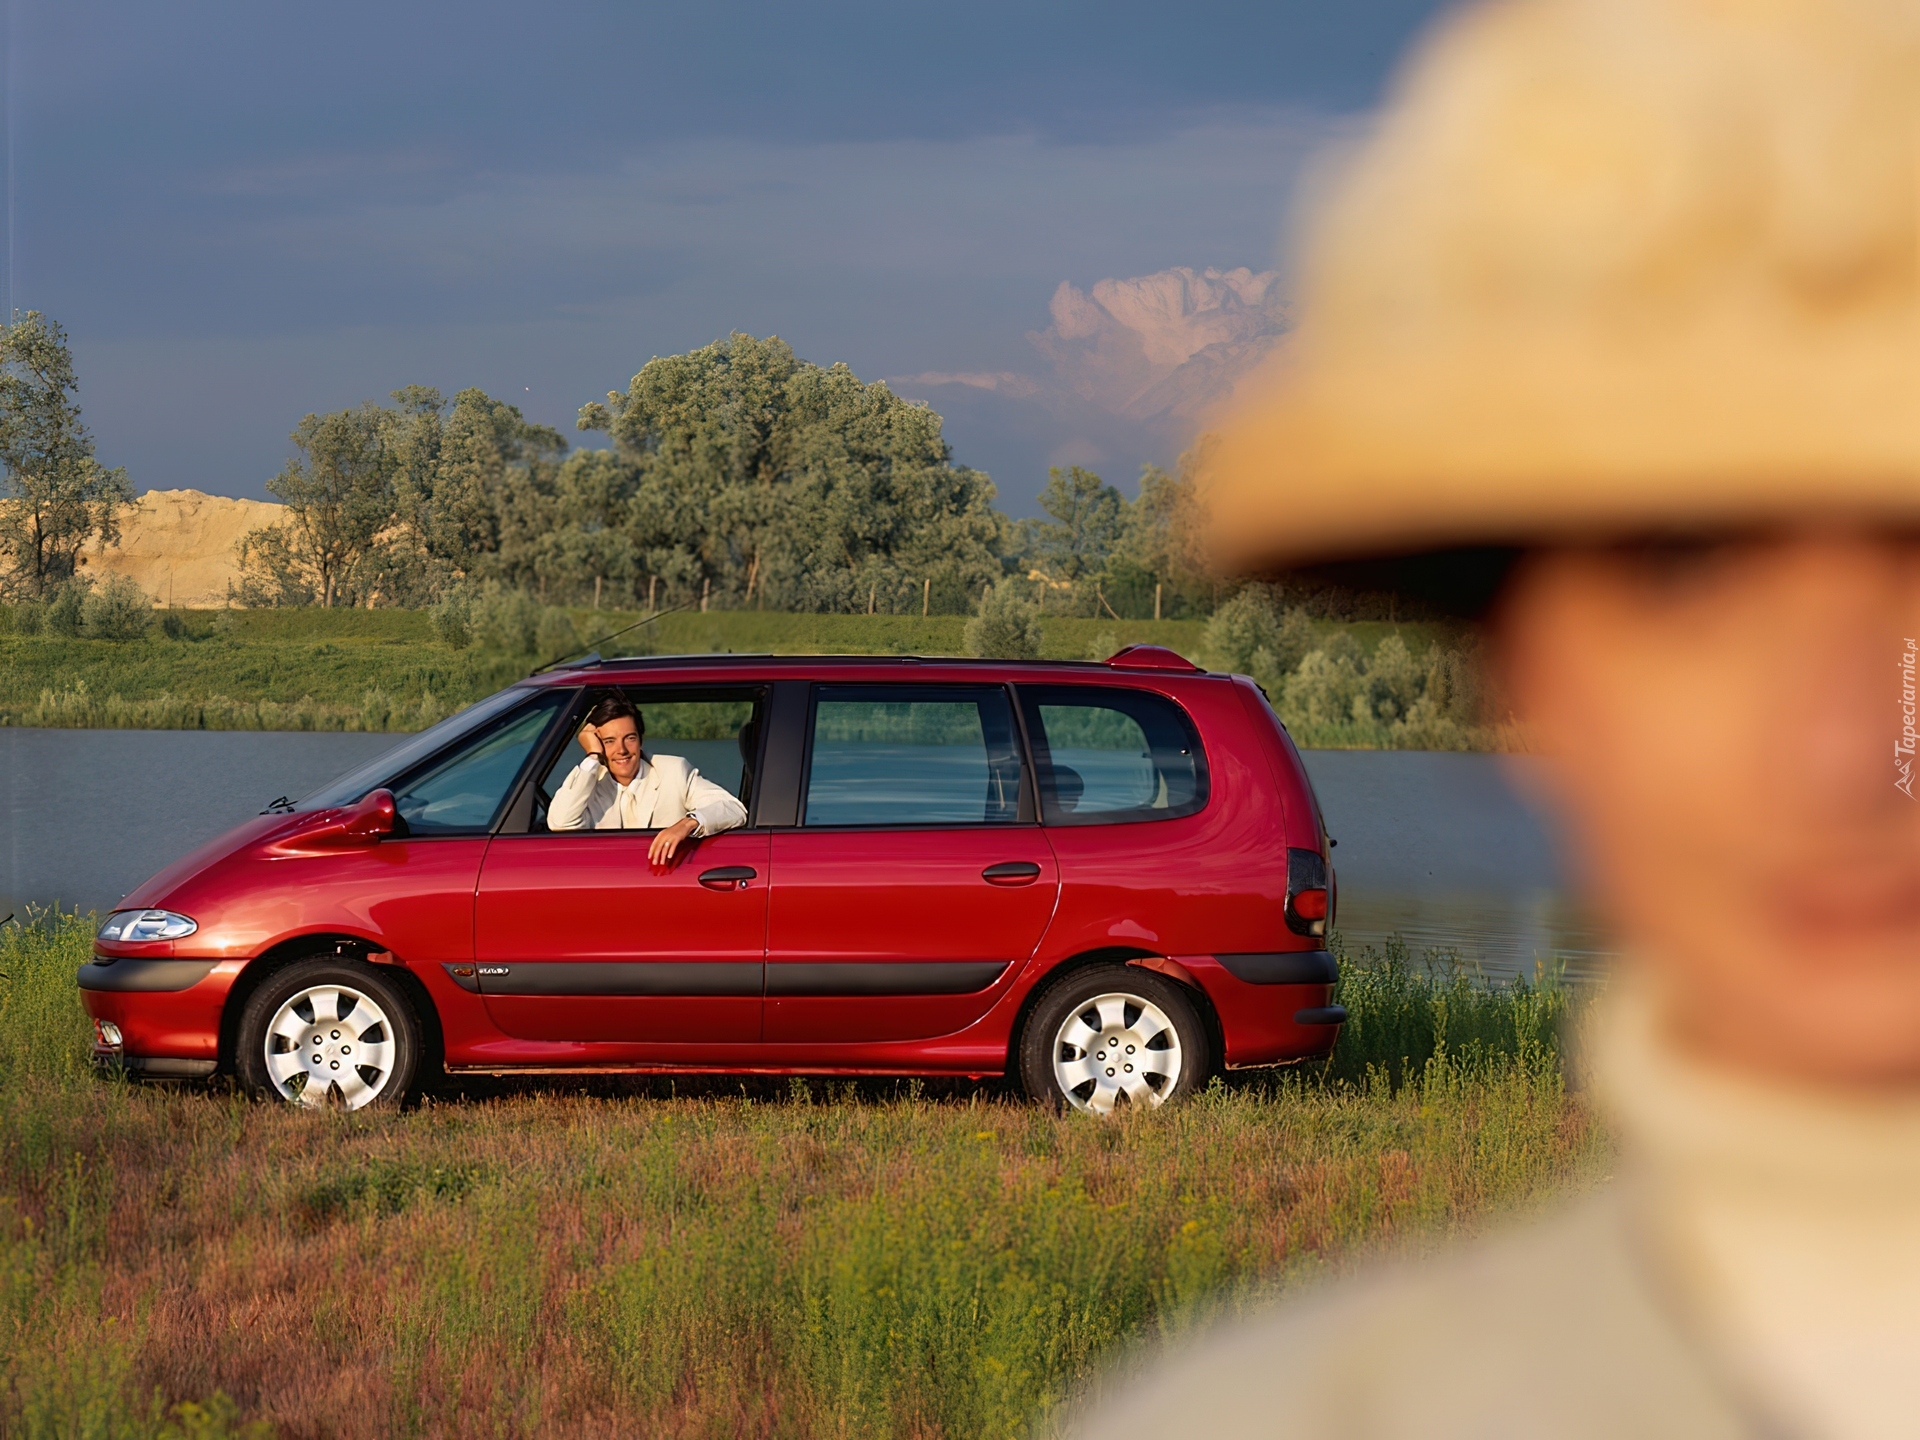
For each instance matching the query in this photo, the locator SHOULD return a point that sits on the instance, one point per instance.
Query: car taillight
(1309, 900)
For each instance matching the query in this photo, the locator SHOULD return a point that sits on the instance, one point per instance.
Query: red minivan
(1109, 878)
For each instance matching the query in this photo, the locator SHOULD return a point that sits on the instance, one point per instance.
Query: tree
(395, 504)
(459, 469)
(764, 479)
(1089, 516)
(339, 496)
(57, 496)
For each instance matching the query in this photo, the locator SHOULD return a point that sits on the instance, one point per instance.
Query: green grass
(385, 670)
(758, 1258)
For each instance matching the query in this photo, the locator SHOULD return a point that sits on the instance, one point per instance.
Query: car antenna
(591, 647)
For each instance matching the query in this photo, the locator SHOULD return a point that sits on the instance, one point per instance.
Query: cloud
(1166, 344)
(1131, 367)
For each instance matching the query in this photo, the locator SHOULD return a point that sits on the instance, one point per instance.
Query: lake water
(1438, 848)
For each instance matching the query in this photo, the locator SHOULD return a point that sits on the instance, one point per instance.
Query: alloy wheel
(1116, 1049)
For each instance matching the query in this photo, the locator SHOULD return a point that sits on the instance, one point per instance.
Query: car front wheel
(1113, 1036)
(327, 1032)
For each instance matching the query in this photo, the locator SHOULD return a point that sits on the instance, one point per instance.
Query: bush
(556, 638)
(1006, 626)
(1323, 691)
(65, 611)
(1394, 682)
(118, 610)
(1251, 635)
(1240, 629)
(507, 620)
(453, 617)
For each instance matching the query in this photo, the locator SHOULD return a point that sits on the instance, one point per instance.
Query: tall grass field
(711, 1258)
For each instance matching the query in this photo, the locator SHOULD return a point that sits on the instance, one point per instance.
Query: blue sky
(245, 211)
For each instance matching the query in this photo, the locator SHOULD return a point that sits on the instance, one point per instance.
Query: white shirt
(664, 791)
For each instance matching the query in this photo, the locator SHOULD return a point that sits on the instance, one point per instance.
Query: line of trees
(738, 476)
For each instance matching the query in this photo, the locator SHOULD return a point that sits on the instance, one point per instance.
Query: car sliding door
(916, 883)
(579, 939)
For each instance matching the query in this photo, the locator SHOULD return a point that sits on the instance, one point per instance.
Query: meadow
(713, 1258)
(386, 670)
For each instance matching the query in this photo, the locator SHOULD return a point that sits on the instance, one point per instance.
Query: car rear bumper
(1274, 1007)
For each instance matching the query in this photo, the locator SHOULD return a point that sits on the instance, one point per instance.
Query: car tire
(327, 1033)
(1108, 1037)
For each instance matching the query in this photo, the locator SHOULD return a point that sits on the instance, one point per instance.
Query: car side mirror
(348, 829)
(372, 818)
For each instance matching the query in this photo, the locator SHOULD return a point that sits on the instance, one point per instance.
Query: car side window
(461, 792)
(717, 732)
(916, 755)
(1108, 755)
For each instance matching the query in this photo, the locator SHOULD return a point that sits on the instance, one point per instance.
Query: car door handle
(728, 877)
(1011, 872)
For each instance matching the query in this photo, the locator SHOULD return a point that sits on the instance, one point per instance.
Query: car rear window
(919, 755)
(1109, 755)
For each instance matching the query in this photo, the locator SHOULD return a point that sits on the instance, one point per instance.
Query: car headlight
(133, 925)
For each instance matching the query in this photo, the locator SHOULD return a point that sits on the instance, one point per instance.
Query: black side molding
(144, 976)
(1283, 967)
(727, 977)
(616, 977)
(884, 977)
(1321, 1015)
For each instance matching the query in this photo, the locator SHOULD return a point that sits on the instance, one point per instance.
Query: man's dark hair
(610, 708)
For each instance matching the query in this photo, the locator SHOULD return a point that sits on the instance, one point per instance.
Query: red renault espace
(1111, 879)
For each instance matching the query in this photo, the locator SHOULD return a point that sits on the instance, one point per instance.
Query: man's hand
(589, 739)
(667, 842)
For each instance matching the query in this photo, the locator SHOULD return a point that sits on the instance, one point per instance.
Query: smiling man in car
(1613, 332)
(619, 787)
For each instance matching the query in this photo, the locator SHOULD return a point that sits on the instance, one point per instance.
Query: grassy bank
(386, 670)
(794, 1260)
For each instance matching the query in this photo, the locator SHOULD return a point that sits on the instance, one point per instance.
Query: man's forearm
(568, 808)
(713, 809)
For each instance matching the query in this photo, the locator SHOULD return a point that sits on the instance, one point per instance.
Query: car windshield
(409, 752)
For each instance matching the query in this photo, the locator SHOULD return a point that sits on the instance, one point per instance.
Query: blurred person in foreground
(1612, 333)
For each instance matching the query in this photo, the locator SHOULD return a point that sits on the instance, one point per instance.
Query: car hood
(154, 892)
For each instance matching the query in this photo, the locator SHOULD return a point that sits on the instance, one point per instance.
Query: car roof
(723, 666)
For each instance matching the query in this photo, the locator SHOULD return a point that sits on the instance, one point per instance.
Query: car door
(415, 889)
(577, 938)
(916, 882)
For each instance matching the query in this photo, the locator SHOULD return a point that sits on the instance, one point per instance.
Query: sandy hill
(178, 545)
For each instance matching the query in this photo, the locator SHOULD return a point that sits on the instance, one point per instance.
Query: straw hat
(1607, 266)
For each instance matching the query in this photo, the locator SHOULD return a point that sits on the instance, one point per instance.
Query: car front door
(916, 883)
(577, 938)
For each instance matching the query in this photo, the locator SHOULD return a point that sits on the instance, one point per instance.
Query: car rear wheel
(1113, 1037)
(327, 1032)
